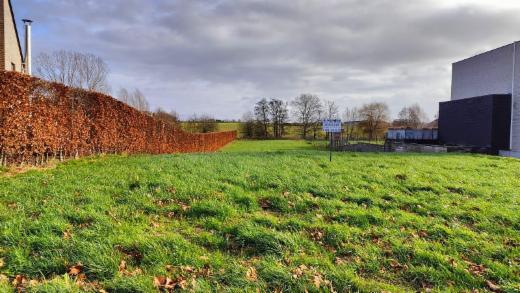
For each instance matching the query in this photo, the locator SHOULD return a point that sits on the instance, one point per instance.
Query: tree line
(90, 72)
(272, 118)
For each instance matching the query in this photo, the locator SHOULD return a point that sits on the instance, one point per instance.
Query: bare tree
(74, 69)
(374, 116)
(168, 117)
(351, 117)
(124, 96)
(306, 110)
(202, 124)
(413, 116)
(317, 124)
(262, 115)
(140, 102)
(279, 115)
(135, 99)
(331, 110)
(248, 125)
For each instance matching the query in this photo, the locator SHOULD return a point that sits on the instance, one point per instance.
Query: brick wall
(12, 52)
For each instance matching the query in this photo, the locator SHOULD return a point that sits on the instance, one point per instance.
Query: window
(13, 66)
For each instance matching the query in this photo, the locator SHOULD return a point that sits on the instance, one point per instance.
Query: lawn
(265, 146)
(287, 220)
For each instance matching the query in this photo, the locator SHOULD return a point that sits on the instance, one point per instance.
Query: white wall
(491, 73)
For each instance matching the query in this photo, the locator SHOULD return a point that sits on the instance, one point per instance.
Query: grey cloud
(214, 56)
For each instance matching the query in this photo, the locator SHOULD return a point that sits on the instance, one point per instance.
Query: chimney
(28, 23)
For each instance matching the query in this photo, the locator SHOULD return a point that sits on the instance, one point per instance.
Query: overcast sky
(219, 57)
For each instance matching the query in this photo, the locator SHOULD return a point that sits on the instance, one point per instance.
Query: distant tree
(306, 111)
(413, 116)
(374, 116)
(262, 114)
(168, 117)
(331, 110)
(135, 99)
(351, 119)
(201, 124)
(317, 124)
(279, 116)
(249, 125)
(74, 69)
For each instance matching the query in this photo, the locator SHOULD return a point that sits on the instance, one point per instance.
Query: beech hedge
(41, 120)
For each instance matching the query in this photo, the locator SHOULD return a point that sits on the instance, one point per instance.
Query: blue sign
(332, 125)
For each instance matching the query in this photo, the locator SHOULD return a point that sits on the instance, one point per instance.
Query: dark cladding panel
(502, 123)
(481, 122)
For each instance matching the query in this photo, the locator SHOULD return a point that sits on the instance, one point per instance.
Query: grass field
(265, 215)
(267, 146)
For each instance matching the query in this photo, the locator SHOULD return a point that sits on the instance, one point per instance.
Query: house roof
(16, 29)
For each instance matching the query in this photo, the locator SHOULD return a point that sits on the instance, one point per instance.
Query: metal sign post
(331, 126)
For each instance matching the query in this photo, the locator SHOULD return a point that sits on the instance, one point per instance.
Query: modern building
(484, 111)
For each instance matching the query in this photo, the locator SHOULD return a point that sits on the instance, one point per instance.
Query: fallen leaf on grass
(122, 266)
(168, 284)
(476, 270)
(162, 282)
(2, 262)
(19, 281)
(67, 235)
(423, 233)
(251, 274)
(299, 271)
(264, 203)
(317, 280)
(187, 269)
(397, 266)
(340, 261)
(75, 270)
(493, 287)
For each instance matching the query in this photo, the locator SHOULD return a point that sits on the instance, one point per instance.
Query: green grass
(229, 126)
(265, 146)
(286, 220)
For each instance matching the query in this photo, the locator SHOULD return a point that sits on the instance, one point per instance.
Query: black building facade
(483, 123)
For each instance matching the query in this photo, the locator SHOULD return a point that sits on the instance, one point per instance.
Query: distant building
(423, 135)
(484, 111)
(11, 56)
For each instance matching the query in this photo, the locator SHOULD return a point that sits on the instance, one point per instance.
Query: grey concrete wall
(493, 72)
(485, 74)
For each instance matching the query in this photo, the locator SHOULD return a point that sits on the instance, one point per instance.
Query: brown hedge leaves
(41, 120)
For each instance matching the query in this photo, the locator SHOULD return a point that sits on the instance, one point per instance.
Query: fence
(40, 120)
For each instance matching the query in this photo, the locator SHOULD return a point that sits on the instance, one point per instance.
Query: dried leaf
(251, 274)
(122, 266)
(492, 286)
(67, 235)
(75, 270)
